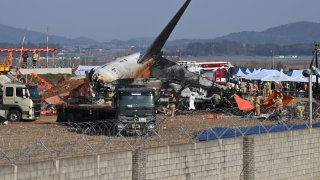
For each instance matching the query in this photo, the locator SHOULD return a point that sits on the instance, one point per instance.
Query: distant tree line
(29, 45)
(236, 48)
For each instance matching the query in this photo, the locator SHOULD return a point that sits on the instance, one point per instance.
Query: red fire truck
(215, 71)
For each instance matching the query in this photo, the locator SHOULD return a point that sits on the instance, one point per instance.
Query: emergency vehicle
(215, 71)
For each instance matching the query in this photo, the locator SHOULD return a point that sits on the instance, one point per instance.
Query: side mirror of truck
(24, 93)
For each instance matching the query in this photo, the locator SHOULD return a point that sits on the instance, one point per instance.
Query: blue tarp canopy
(222, 132)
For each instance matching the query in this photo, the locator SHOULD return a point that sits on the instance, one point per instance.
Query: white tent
(252, 70)
(248, 71)
(297, 76)
(262, 74)
(240, 74)
(301, 78)
(280, 76)
(295, 73)
(256, 71)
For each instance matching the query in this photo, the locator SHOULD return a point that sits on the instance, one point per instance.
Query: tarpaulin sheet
(222, 132)
(268, 102)
(246, 105)
(243, 104)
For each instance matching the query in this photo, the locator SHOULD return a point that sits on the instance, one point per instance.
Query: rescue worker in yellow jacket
(257, 105)
(301, 110)
(269, 90)
(279, 103)
(35, 58)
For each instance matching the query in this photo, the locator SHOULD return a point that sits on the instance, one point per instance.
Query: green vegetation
(236, 48)
(29, 45)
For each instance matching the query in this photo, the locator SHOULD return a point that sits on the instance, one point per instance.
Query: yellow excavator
(6, 64)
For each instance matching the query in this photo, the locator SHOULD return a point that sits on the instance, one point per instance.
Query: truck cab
(135, 110)
(20, 101)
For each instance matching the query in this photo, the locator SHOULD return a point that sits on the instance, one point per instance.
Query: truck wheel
(14, 115)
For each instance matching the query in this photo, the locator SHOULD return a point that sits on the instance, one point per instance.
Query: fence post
(248, 158)
(139, 164)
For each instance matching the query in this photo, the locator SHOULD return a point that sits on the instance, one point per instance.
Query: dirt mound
(62, 89)
(54, 79)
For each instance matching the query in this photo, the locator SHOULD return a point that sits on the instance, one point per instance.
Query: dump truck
(19, 102)
(133, 111)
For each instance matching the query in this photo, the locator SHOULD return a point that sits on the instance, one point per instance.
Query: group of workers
(256, 98)
(249, 87)
(277, 100)
(257, 90)
(263, 88)
(172, 103)
(25, 56)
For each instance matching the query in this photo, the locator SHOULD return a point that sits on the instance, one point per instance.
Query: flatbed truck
(133, 111)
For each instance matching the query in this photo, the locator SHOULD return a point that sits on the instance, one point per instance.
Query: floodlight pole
(272, 59)
(317, 66)
(310, 100)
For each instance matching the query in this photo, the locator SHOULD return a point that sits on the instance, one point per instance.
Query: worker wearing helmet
(172, 105)
(257, 105)
(279, 104)
(35, 58)
(25, 59)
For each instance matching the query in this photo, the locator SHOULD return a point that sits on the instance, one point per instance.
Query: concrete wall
(285, 155)
(47, 71)
(204, 160)
(288, 155)
(108, 166)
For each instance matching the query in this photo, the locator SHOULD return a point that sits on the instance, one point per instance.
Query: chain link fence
(24, 142)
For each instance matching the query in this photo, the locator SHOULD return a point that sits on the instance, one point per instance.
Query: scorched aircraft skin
(134, 66)
(137, 66)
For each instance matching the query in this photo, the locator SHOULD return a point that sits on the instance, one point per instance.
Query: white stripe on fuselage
(121, 68)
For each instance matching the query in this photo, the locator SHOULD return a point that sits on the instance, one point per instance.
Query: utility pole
(310, 99)
(317, 66)
(272, 58)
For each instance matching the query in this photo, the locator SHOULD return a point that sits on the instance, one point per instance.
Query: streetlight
(272, 58)
(309, 73)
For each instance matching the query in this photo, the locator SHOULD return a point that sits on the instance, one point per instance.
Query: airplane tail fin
(158, 43)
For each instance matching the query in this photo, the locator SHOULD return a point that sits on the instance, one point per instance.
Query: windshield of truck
(33, 91)
(141, 99)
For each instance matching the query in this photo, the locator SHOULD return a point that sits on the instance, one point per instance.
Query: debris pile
(57, 94)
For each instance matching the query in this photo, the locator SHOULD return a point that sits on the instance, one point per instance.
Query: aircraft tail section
(158, 43)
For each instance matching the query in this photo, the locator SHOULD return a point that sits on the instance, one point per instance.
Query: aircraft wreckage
(113, 91)
(152, 66)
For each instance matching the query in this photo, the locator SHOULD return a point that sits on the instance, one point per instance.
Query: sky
(104, 20)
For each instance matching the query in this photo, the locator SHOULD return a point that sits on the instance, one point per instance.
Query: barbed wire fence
(29, 142)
